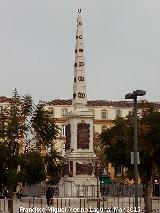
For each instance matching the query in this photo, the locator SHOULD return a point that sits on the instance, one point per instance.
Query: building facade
(105, 112)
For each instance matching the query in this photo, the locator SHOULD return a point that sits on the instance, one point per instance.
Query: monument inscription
(83, 136)
(68, 137)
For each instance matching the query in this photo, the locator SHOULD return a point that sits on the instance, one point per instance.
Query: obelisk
(79, 155)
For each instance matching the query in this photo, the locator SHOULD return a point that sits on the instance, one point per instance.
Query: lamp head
(135, 94)
(129, 96)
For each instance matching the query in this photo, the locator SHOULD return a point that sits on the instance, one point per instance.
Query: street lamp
(134, 97)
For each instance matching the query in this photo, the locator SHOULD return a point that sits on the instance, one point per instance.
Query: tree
(23, 123)
(33, 167)
(54, 164)
(13, 127)
(44, 129)
(119, 144)
(100, 163)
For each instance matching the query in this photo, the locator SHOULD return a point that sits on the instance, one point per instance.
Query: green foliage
(100, 163)
(19, 119)
(9, 174)
(33, 167)
(54, 164)
(45, 129)
(119, 141)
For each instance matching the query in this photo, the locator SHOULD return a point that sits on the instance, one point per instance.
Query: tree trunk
(148, 196)
(98, 199)
(10, 200)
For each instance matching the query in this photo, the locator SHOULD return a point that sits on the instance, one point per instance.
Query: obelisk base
(78, 187)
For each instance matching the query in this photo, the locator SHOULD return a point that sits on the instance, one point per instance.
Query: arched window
(64, 112)
(51, 111)
(103, 128)
(118, 113)
(104, 114)
(118, 171)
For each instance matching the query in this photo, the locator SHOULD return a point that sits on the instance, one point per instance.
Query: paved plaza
(115, 204)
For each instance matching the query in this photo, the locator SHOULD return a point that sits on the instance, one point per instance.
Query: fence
(72, 205)
(34, 190)
(113, 190)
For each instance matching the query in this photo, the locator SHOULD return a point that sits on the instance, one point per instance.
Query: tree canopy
(23, 123)
(119, 144)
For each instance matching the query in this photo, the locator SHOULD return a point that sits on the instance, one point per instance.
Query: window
(1, 109)
(51, 111)
(104, 114)
(104, 128)
(1, 126)
(118, 171)
(93, 128)
(75, 50)
(14, 110)
(64, 112)
(93, 112)
(63, 131)
(118, 113)
(49, 148)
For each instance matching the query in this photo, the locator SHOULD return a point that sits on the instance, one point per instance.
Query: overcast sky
(122, 47)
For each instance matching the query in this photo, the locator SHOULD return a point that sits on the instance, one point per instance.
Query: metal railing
(114, 204)
(123, 190)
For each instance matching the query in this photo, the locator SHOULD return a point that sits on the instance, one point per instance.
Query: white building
(105, 112)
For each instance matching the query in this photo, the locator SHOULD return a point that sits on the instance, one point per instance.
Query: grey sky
(122, 47)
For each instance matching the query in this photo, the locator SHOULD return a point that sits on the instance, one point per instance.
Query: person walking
(49, 195)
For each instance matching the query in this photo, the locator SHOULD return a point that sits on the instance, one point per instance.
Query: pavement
(72, 205)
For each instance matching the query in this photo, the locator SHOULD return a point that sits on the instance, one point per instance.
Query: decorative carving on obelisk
(79, 86)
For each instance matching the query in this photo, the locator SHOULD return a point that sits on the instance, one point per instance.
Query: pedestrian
(49, 195)
(6, 193)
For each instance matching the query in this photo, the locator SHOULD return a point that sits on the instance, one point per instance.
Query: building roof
(68, 102)
(4, 99)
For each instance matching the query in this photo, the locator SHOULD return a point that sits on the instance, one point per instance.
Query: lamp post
(134, 96)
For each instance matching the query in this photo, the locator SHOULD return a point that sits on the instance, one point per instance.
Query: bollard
(103, 202)
(80, 203)
(57, 203)
(69, 205)
(0, 206)
(33, 202)
(61, 203)
(29, 203)
(10, 205)
(4, 205)
(41, 203)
